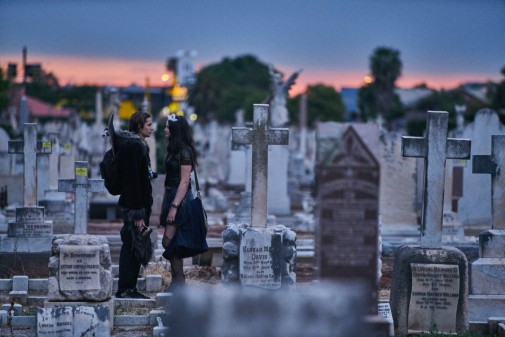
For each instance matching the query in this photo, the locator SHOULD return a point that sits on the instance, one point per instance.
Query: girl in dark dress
(179, 162)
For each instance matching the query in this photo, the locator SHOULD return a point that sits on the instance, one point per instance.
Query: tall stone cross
(30, 147)
(260, 137)
(435, 148)
(492, 164)
(81, 185)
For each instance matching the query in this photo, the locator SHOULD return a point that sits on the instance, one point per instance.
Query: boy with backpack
(133, 183)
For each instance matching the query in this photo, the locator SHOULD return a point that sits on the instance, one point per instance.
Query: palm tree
(386, 68)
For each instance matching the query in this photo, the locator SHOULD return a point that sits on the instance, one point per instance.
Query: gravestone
(487, 290)
(430, 281)
(474, 207)
(81, 185)
(79, 287)
(347, 212)
(253, 254)
(28, 237)
(397, 205)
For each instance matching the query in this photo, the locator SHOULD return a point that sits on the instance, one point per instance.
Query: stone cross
(30, 147)
(435, 148)
(81, 185)
(492, 164)
(260, 136)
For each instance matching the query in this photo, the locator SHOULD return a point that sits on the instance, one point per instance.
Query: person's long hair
(180, 134)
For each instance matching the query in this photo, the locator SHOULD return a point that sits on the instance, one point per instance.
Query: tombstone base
(481, 307)
(402, 285)
(102, 320)
(259, 257)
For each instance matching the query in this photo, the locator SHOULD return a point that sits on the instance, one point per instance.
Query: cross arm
(241, 136)
(483, 164)
(413, 147)
(96, 185)
(458, 148)
(43, 146)
(278, 136)
(66, 185)
(16, 146)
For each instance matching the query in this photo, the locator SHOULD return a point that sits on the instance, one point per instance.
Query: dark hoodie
(136, 195)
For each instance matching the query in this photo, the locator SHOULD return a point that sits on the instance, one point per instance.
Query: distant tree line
(233, 84)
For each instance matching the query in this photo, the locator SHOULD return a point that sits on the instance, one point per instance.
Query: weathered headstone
(72, 321)
(431, 281)
(255, 255)
(397, 205)
(487, 291)
(348, 206)
(80, 269)
(81, 185)
(79, 287)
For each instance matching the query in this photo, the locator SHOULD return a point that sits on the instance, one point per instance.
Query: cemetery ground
(196, 276)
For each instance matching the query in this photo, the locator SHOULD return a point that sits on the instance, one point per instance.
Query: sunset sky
(119, 42)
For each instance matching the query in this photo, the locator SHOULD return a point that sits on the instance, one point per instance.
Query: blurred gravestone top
(335, 310)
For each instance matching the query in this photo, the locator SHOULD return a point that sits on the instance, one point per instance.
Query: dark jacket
(136, 195)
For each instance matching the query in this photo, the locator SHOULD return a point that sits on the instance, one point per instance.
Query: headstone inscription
(487, 291)
(256, 255)
(81, 185)
(348, 206)
(431, 281)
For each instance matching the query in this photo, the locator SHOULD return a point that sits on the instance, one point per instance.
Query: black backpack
(110, 173)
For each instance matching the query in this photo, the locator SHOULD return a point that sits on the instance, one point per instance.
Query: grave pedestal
(259, 257)
(429, 289)
(487, 290)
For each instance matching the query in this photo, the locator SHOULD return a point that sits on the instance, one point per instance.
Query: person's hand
(139, 223)
(171, 215)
